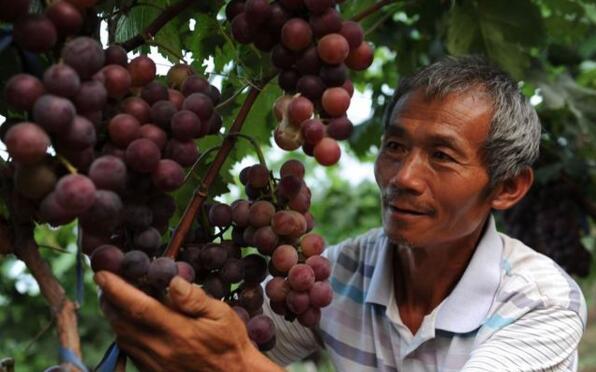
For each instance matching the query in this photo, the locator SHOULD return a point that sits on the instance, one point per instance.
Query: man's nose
(410, 175)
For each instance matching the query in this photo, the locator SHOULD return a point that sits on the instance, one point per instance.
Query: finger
(129, 302)
(192, 300)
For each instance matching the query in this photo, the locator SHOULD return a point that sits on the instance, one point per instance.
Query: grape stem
(166, 16)
(370, 10)
(153, 42)
(69, 167)
(199, 161)
(201, 193)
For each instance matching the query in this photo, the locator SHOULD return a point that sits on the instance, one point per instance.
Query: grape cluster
(39, 33)
(550, 221)
(275, 220)
(128, 135)
(313, 48)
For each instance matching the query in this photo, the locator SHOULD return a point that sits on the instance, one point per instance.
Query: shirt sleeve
(541, 340)
(293, 342)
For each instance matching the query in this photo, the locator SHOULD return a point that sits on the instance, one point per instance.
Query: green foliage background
(548, 45)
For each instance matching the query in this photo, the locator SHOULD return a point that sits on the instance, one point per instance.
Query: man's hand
(197, 333)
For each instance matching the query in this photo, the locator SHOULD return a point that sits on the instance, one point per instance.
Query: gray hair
(514, 136)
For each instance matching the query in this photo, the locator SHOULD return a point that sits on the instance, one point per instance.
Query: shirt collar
(470, 301)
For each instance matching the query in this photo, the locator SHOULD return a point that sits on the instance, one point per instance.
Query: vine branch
(149, 32)
(201, 192)
(63, 310)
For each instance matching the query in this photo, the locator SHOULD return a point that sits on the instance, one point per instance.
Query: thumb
(192, 300)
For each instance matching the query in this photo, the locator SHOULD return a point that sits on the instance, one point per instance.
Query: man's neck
(425, 276)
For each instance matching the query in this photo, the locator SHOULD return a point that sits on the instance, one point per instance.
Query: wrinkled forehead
(471, 98)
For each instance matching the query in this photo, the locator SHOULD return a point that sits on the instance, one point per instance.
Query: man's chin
(396, 236)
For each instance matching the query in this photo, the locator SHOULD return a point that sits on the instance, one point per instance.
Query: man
(437, 288)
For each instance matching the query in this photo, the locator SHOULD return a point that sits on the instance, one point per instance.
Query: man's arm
(544, 339)
(193, 333)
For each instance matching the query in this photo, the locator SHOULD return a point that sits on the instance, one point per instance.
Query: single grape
(296, 34)
(240, 212)
(310, 318)
(265, 240)
(137, 216)
(91, 97)
(67, 19)
(155, 134)
(177, 74)
(176, 98)
(215, 287)
(232, 270)
(311, 87)
(107, 257)
(309, 62)
(108, 172)
(335, 101)
(213, 257)
(255, 268)
(340, 128)
(22, 90)
(186, 271)
(194, 84)
(147, 240)
(35, 33)
(142, 155)
(80, 134)
(353, 33)
(242, 30)
(320, 294)
(298, 302)
(214, 124)
(168, 176)
(53, 113)
(312, 244)
(301, 202)
(242, 313)
(142, 70)
(334, 75)
(135, 266)
(318, 6)
(26, 142)
(327, 151)
(260, 213)
(220, 215)
(161, 113)
(288, 223)
(153, 92)
(326, 23)
(104, 215)
(287, 80)
(186, 124)
(123, 129)
(333, 48)
(301, 277)
(313, 130)
(200, 104)
(116, 55)
(257, 12)
(184, 153)
(160, 273)
(116, 80)
(52, 212)
(84, 54)
(260, 329)
(279, 16)
(277, 289)
(288, 187)
(258, 176)
(75, 192)
(282, 57)
(34, 181)
(284, 258)
(292, 167)
(138, 108)
(251, 298)
(62, 80)
(299, 109)
(360, 58)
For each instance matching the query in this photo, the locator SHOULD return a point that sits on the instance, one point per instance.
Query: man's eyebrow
(435, 140)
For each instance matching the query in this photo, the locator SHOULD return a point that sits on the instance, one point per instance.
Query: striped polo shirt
(512, 310)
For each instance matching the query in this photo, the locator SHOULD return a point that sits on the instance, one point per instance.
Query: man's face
(430, 169)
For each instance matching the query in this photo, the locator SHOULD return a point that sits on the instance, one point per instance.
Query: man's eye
(394, 146)
(440, 155)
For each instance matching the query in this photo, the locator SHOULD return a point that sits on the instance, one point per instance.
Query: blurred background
(549, 46)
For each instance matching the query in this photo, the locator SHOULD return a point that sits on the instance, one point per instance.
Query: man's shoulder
(359, 248)
(533, 280)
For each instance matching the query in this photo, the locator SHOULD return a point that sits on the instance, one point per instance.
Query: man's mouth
(407, 211)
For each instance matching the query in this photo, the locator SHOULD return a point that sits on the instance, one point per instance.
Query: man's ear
(512, 190)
